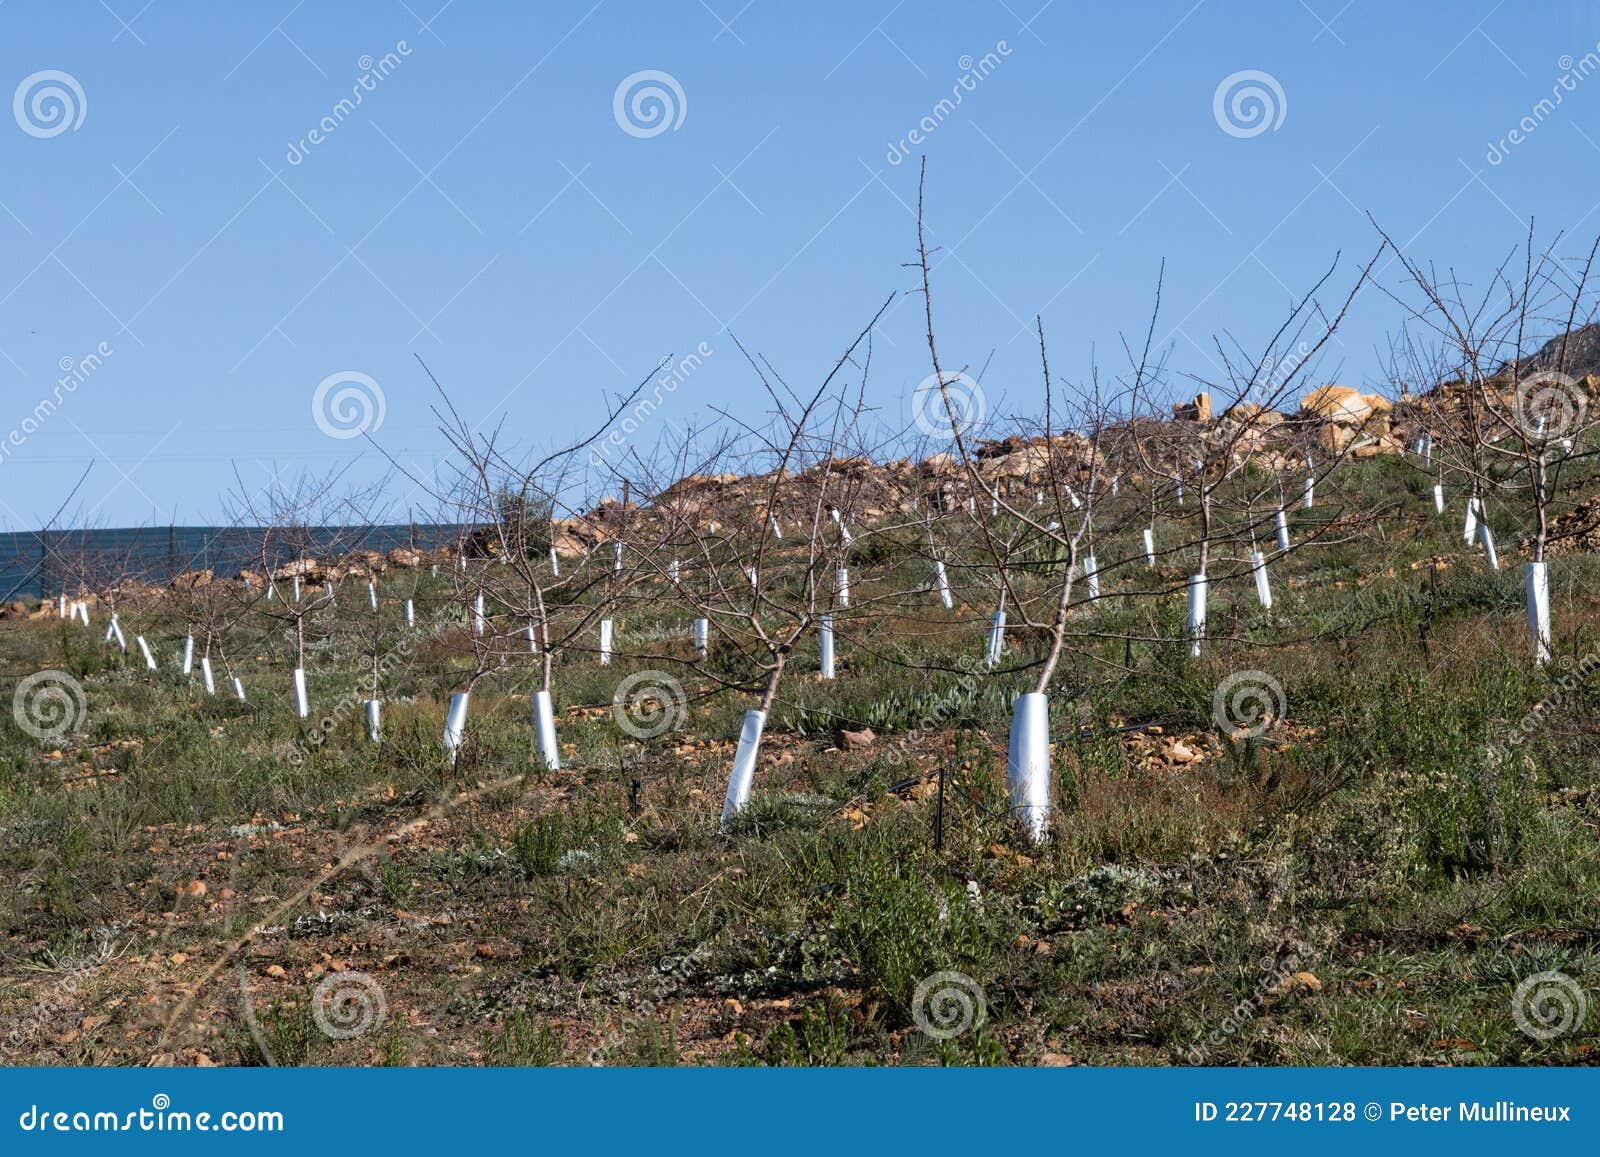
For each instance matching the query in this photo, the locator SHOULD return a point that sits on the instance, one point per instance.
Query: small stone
(848, 740)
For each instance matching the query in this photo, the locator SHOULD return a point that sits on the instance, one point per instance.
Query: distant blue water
(34, 563)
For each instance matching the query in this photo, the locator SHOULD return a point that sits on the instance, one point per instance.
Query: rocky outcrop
(1343, 405)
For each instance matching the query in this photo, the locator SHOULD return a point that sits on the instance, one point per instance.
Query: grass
(1367, 883)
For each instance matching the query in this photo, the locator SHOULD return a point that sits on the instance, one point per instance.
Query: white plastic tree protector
(111, 628)
(1536, 584)
(455, 722)
(238, 689)
(302, 704)
(605, 642)
(1197, 612)
(296, 588)
(972, 504)
(1311, 493)
(1149, 547)
(411, 613)
(61, 606)
(1469, 529)
(533, 639)
(144, 649)
(1281, 525)
(942, 581)
(702, 635)
(1028, 764)
(825, 645)
(750, 573)
(187, 663)
(997, 638)
(1486, 540)
(616, 557)
(477, 615)
(544, 729)
(1258, 564)
(777, 531)
(1091, 576)
(744, 766)
(843, 579)
(372, 595)
(374, 710)
(1438, 498)
(555, 563)
(205, 672)
(329, 588)
(672, 571)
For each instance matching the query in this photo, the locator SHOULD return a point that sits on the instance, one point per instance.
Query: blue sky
(485, 208)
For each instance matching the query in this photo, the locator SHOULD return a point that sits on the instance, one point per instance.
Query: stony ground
(1386, 874)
